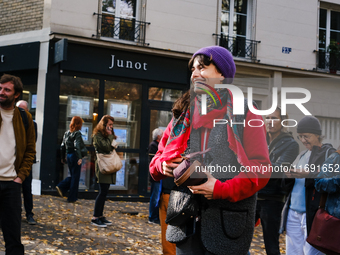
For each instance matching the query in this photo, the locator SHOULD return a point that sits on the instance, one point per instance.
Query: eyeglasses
(305, 137)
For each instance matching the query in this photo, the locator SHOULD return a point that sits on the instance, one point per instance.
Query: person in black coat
(282, 148)
(27, 183)
(303, 201)
(155, 186)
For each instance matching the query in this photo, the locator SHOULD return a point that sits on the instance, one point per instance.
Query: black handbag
(182, 206)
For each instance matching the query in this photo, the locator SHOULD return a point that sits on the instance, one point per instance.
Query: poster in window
(122, 133)
(34, 101)
(80, 106)
(120, 110)
(120, 179)
(86, 131)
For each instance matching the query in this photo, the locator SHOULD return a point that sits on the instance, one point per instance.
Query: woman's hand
(169, 166)
(79, 162)
(206, 189)
(297, 173)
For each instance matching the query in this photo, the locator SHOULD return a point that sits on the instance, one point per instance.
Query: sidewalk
(64, 228)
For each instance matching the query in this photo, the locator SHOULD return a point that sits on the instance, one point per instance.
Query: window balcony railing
(239, 46)
(128, 29)
(327, 61)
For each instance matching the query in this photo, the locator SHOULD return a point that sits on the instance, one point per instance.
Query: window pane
(29, 94)
(127, 176)
(323, 18)
(240, 25)
(159, 119)
(164, 94)
(127, 8)
(322, 38)
(109, 6)
(108, 25)
(225, 5)
(335, 36)
(335, 20)
(225, 23)
(123, 102)
(240, 6)
(78, 97)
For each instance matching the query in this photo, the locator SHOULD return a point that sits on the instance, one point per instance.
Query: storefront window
(123, 102)
(127, 176)
(162, 94)
(79, 97)
(29, 94)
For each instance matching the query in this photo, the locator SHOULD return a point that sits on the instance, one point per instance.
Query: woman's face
(204, 74)
(309, 140)
(109, 125)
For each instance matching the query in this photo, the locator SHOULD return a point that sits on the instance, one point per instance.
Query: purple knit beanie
(222, 59)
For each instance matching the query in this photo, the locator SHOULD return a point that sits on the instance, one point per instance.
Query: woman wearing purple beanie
(227, 200)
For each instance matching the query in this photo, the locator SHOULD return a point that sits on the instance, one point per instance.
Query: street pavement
(64, 228)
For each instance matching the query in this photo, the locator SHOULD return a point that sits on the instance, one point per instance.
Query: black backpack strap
(24, 118)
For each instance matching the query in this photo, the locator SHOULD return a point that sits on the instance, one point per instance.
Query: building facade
(128, 58)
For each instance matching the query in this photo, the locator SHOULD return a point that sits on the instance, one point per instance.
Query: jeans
(10, 215)
(100, 200)
(167, 247)
(27, 193)
(153, 209)
(296, 235)
(71, 183)
(270, 215)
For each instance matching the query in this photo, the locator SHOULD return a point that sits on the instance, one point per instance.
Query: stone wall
(20, 16)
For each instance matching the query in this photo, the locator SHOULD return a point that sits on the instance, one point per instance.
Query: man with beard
(17, 150)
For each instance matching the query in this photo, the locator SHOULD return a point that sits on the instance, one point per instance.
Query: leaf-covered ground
(64, 228)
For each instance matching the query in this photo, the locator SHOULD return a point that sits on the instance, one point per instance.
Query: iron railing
(327, 61)
(239, 46)
(128, 29)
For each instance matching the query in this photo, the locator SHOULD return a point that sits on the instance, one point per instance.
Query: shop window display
(79, 97)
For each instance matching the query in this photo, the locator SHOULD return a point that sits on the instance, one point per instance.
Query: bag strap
(196, 153)
(323, 198)
(326, 155)
(24, 118)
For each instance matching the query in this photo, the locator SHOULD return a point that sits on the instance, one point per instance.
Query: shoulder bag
(325, 231)
(109, 163)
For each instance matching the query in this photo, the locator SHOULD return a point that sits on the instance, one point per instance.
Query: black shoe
(59, 191)
(31, 221)
(74, 202)
(97, 222)
(105, 221)
(154, 222)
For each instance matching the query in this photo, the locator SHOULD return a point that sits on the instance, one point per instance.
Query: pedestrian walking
(74, 148)
(155, 186)
(303, 201)
(27, 183)
(227, 202)
(17, 151)
(270, 201)
(103, 135)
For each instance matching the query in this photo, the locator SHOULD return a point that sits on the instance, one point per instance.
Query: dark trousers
(71, 183)
(27, 193)
(269, 212)
(154, 197)
(100, 200)
(10, 215)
